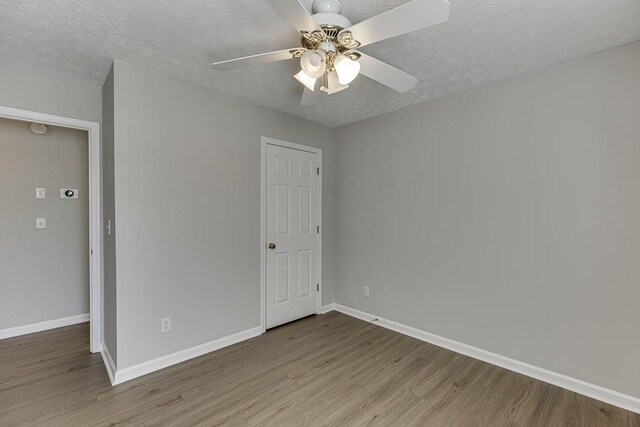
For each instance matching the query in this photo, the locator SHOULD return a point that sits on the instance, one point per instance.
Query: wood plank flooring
(322, 370)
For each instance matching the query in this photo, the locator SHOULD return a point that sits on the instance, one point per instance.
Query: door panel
(282, 281)
(292, 220)
(304, 273)
(304, 210)
(282, 207)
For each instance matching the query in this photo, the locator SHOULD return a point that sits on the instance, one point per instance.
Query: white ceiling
(485, 41)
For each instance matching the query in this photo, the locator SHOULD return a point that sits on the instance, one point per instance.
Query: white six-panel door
(292, 234)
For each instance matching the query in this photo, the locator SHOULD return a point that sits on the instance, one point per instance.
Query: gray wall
(44, 274)
(30, 91)
(108, 213)
(505, 217)
(187, 203)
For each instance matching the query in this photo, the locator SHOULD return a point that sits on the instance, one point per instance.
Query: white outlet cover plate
(165, 325)
(41, 193)
(41, 223)
(63, 193)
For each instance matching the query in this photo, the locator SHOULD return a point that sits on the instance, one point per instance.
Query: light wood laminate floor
(322, 370)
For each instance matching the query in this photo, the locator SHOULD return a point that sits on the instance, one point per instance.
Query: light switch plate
(41, 223)
(68, 193)
(40, 193)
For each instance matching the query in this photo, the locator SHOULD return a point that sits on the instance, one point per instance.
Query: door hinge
(318, 170)
(318, 229)
(317, 287)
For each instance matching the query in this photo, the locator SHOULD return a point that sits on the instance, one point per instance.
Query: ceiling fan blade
(403, 19)
(248, 61)
(386, 74)
(308, 97)
(295, 14)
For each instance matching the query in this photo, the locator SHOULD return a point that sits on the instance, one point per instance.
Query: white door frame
(263, 222)
(95, 208)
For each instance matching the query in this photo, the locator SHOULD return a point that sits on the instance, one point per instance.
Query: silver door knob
(272, 245)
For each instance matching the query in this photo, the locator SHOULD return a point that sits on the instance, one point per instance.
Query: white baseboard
(108, 363)
(144, 368)
(327, 308)
(582, 387)
(43, 326)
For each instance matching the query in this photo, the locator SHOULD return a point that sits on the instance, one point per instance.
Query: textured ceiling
(485, 41)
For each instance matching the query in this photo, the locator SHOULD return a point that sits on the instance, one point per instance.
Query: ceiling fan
(329, 42)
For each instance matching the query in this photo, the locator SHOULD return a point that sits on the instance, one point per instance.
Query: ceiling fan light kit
(314, 63)
(308, 82)
(347, 69)
(328, 43)
(331, 83)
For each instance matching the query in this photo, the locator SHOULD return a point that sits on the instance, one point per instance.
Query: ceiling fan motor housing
(327, 13)
(327, 6)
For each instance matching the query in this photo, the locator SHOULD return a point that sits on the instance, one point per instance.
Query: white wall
(30, 91)
(505, 217)
(187, 204)
(44, 273)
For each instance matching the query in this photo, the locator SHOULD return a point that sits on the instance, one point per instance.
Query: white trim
(144, 368)
(263, 221)
(43, 326)
(603, 394)
(109, 365)
(263, 235)
(95, 207)
(355, 313)
(327, 308)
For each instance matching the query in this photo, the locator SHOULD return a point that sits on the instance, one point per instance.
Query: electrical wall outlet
(165, 325)
(41, 193)
(41, 223)
(365, 290)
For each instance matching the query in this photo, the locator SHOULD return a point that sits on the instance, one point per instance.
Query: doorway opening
(52, 220)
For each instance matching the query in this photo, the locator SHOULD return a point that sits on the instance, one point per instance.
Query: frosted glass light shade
(309, 82)
(314, 63)
(346, 68)
(334, 83)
